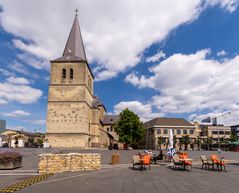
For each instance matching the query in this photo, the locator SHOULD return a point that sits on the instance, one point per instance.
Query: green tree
(174, 141)
(129, 128)
(233, 137)
(160, 142)
(186, 141)
(209, 142)
(198, 142)
(40, 141)
(180, 143)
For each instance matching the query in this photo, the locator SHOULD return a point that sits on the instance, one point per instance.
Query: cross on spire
(76, 11)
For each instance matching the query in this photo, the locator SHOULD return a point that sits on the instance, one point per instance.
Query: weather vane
(76, 11)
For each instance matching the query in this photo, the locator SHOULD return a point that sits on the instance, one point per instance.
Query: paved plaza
(123, 179)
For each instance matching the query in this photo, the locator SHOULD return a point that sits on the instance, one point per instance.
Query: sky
(158, 58)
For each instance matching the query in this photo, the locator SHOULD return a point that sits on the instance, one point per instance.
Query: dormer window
(71, 73)
(64, 73)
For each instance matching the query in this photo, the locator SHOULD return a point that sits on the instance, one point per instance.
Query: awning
(235, 143)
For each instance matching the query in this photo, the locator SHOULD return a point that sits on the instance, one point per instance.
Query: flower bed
(10, 160)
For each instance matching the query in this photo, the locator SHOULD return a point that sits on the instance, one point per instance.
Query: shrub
(7, 157)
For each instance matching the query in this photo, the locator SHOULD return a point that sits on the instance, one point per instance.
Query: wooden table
(183, 160)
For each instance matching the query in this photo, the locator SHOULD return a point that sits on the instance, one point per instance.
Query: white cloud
(38, 122)
(156, 57)
(18, 67)
(141, 82)
(34, 62)
(190, 83)
(144, 111)
(115, 32)
(2, 101)
(16, 80)
(229, 5)
(5, 72)
(222, 53)
(18, 128)
(16, 89)
(17, 113)
(225, 118)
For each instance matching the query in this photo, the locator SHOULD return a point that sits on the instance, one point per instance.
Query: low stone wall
(58, 163)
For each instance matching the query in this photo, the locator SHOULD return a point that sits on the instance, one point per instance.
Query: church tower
(72, 118)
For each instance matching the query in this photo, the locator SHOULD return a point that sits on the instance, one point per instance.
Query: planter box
(10, 165)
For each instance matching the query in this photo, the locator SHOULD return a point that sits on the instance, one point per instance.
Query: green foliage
(174, 141)
(160, 142)
(30, 140)
(129, 128)
(222, 140)
(186, 141)
(40, 141)
(209, 142)
(180, 143)
(199, 143)
(233, 137)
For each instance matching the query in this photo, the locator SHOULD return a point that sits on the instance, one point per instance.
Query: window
(215, 132)
(71, 73)
(158, 131)
(111, 128)
(227, 132)
(178, 131)
(185, 132)
(63, 73)
(191, 131)
(108, 129)
(165, 131)
(221, 132)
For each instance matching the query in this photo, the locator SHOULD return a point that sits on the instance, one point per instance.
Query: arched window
(63, 73)
(71, 73)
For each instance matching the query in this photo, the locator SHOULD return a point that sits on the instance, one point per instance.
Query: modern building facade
(2, 125)
(219, 132)
(159, 127)
(235, 130)
(216, 133)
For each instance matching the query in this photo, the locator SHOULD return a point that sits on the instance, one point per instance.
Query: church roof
(74, 49)
(110, 119)
(97, 102)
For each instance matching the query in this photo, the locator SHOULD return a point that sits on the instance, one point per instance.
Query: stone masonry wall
(58, 163)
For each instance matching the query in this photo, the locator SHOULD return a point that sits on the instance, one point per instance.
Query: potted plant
(10, 160)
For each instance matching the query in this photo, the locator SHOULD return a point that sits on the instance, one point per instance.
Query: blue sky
(173, 60)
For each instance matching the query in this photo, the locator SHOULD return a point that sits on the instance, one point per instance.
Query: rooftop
(167, 122)
(110, 119)
(74, 49)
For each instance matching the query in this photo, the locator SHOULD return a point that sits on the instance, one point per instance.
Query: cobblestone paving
(158, 179)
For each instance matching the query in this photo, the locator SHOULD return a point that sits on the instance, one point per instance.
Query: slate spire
(74, 49)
